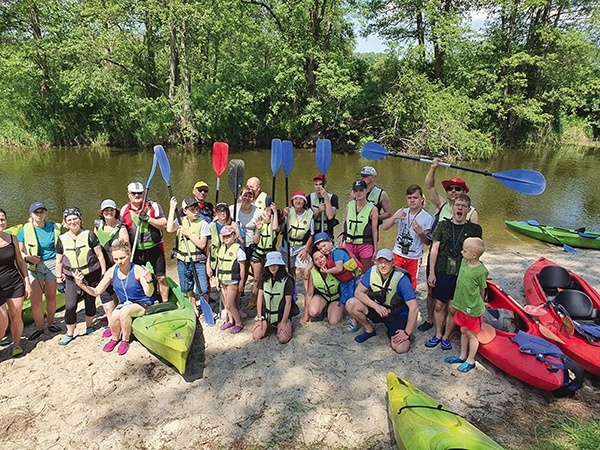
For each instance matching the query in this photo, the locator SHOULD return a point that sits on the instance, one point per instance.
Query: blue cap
(322, 236)
(37, 205)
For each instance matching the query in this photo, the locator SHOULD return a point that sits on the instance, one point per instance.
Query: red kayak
(505, 354)
(545, 281)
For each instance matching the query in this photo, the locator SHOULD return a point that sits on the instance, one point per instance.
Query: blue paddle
(524, 181)
(136, 238)
(323, 157)
(165, 170)
(566, 248)
(287, 162)
(275, 161)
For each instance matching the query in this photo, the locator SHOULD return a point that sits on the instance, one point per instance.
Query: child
(299, 226)
(468, 302)
(275, 305)
(190, 249)
(230, 272)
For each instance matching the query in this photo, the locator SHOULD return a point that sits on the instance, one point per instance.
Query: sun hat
(201, 184)
(385, 254)
(299, 194)
(321, 237)
(321, 177)
(190, 201)
(456, 182)
(359, 184)
(108, 203)
(135, 187)
(37, 205)
(368, 171)
(227, 230)
(72, 211)
(274, 259)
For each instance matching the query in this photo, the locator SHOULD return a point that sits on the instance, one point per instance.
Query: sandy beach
(321, 390)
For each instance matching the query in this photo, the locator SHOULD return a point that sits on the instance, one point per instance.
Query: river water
(84, 177)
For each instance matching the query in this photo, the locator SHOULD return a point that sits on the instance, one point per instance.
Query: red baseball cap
(321, 177)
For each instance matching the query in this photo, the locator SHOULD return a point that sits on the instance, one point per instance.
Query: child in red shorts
(468, 302)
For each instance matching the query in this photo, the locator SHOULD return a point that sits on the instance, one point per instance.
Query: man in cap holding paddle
(206, 209)
(324, 205)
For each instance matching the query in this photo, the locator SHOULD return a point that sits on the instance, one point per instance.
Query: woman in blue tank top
(134, 288)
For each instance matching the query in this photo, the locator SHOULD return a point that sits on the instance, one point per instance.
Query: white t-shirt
(247, 223)
(424, 219)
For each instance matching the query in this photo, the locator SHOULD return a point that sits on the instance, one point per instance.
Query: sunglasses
(136, 193)
(202, 190)
(454, 188)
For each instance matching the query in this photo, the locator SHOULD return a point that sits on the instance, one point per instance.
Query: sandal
(454, 360)
(446, 344)
(53, 328)
(123, 348)
(465, 367)
(17, 351)
(433, 342)
(66, 340)
(110, 346)
(236, 329)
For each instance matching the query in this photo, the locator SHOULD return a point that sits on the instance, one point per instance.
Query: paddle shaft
(136, 239)
(566, 247)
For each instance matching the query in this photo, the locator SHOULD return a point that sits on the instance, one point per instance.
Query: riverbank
(321, 390)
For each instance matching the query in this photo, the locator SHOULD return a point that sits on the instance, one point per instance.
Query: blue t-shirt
(404, 289)
(340, 255)
(45, 237)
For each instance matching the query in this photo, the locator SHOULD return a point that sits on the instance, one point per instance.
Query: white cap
(274, 259)
(385, 254)
(368, 171)
(108, 203)
(136, 186)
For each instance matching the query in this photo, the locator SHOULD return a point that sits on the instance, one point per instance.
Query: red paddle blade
(220, 157)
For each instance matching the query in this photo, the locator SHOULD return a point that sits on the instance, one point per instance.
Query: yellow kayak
(421, 423)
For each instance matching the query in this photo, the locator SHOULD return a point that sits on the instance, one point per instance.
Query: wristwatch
(258, 319)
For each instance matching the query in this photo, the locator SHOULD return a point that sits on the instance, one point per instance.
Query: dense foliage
(137, 72)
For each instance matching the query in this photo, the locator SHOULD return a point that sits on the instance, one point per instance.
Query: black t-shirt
(451, 237)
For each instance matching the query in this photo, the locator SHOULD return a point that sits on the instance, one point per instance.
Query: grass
(567, 433)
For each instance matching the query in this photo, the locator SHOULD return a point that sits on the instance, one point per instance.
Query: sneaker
(123, 348)
(454, 360)
(433, 342)
(36, 334)
(110, 346)
(365, 336)
(54, 329)
(465, 367)
(236, 329)
(107, 332)
(425, 326)
(17, 351)
(226, 326)
(353, 325)
(66, 340)
(446, 345)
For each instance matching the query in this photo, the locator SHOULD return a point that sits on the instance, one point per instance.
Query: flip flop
(465, 367)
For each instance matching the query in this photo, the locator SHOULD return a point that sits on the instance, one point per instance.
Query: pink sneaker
(110, 346)
(123, 347)
(107, 332)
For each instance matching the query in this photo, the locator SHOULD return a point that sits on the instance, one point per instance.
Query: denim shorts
(45, 270)
(187, 279)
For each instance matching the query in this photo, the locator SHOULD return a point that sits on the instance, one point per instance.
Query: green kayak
(559, 236)
(420, 422)
(170, 333)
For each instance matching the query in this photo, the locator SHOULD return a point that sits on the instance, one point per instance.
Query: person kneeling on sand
(385, 295)
(275, 305)
(324, 293)
(134, 288)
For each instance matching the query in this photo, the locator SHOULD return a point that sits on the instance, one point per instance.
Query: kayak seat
(553, 278)
(501, 319)
(577, 303)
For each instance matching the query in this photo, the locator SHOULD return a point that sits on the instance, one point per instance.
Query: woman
(323, 295)
(14, 285)
(275, 305)
(230, 273)
(78, 250)
(360, 226)
(247, 217)
(37, 245)
(109, 229)
(264, 242)
(134, 288)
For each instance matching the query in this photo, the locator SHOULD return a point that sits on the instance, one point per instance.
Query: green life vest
(384, 292)
(32, 245)
(145, 241)
(358, 225)
(215, 242)
(274, 299)
(265, 240)
(298, 232)
(315, 202)
(106, 238)
(374, 197)
(228, 267)
(328, 287)
(181, 250)
(260, 201)
(79, 255)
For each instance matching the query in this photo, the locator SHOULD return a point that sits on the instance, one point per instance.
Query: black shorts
(16, 291)
(155, 256)
(393, 323)
(107, 295)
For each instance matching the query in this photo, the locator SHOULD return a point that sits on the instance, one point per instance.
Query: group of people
(223, 244)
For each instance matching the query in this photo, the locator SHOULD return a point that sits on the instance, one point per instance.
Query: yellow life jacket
(181, 249)
(384, 292)
(274, 299)
(328, 287)
(32, 244)
(228, 267)
(78, 254)
(298, 232)
(261, 201)
(265, 240)
(106, 238)
(358, 225)
(215, 242)
(374, 197)
(315, 202)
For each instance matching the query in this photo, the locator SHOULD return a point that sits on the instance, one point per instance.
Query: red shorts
(411, 266)
(473, 324)
(363, 251)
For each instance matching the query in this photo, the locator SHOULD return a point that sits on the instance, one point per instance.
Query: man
(324, 205)
(261, 199)
(375, 194)
(445, 258)
(385, 295)
(205, 209)
(414, 226)
(148, 220)
(453, 187)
